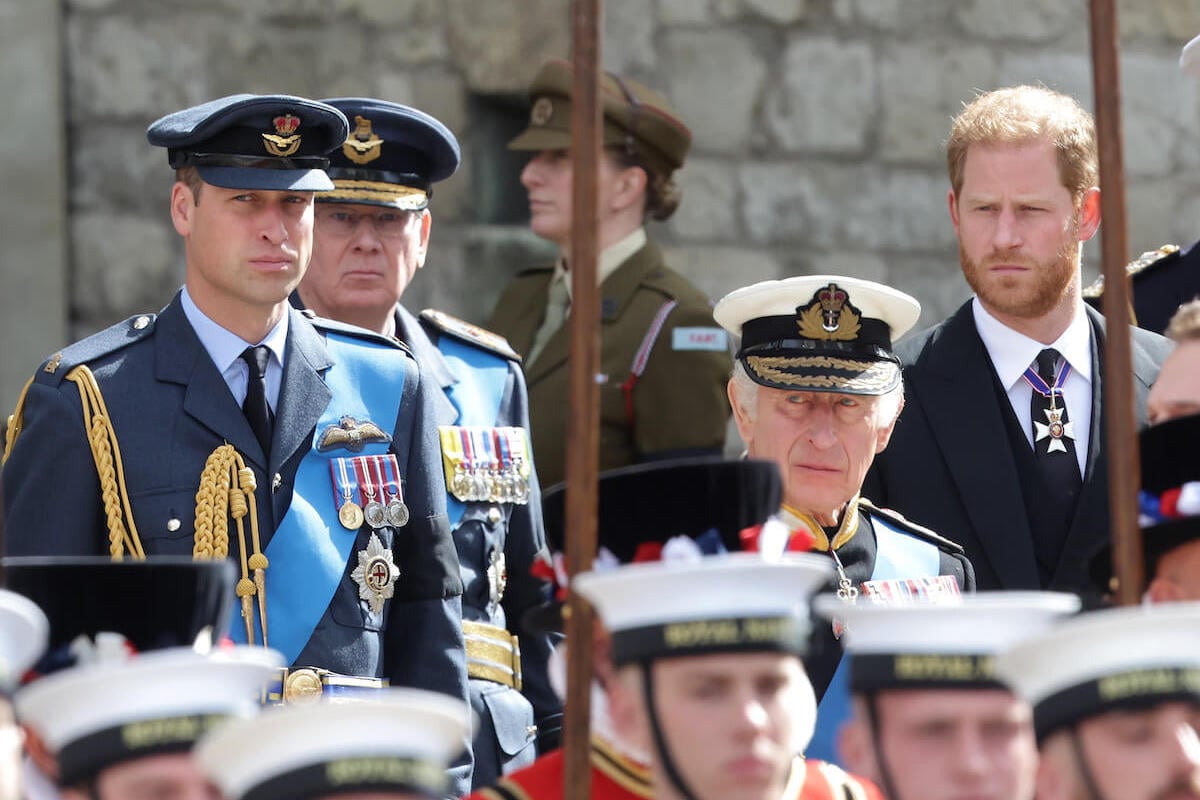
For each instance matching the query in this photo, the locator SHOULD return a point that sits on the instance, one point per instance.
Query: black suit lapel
(965, 416)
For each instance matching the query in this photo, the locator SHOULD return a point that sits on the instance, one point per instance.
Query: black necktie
(255, 407)
(1054, 444)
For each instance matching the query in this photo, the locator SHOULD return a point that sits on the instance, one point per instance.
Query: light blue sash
(897, 555)
(309, 551)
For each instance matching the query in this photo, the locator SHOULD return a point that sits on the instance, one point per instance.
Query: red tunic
(616, 777)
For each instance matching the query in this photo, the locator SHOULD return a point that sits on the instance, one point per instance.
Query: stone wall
(818, 124)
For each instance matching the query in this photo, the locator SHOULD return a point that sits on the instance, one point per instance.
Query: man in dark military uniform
(233, 426)
(371, 236)
(664, 362)
(816, 389)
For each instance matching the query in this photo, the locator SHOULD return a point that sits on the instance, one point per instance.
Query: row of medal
(486, 464)
(367, 489)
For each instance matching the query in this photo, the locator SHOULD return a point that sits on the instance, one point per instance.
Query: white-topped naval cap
(782, 297)
(97, 715)
(821, 333)
(1189, 58)
(1115, 658)
(733, 602)
(391, 740)
(24, 632)
(939, 644)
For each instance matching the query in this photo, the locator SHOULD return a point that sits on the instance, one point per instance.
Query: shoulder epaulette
(469, 333)
(1147, 259)
(334, 326)
(920, 531)
(98, 345)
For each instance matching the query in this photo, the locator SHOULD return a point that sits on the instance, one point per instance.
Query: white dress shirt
(225, 350)
(1012, 353)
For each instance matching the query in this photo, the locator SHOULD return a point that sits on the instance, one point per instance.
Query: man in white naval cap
(1116, 699)
(123, 729)
(395, 744)
(931, 719)
(816, 388)
(709, 679)
(23, 632)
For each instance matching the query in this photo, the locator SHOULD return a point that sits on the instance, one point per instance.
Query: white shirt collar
(225, 347)
(609, 259)
(1013, 352)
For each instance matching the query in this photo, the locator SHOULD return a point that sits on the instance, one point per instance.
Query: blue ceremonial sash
(897, 556)
(477, 393)
(309, 551)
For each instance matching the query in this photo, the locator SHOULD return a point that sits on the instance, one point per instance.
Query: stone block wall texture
(818, 124)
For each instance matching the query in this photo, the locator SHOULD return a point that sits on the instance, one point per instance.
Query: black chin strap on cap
(1085, 769)
(660, 741)
(885, 774)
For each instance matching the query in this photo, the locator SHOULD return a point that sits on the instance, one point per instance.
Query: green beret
(635, 116)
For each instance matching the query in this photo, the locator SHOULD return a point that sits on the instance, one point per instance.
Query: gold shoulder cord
(216, 501)
(107, 455)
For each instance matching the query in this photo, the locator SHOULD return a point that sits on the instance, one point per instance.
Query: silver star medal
(376, 574)
(1054, 429)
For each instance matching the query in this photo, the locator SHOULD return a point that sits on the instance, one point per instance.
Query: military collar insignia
(376, 574)
(542, 111)
(363, 145)
(830, 316)
(351, 434)
(285, 140)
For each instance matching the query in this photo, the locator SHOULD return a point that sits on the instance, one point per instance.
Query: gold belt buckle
(302, 686)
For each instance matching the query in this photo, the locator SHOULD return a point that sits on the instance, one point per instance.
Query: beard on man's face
(1030, 295)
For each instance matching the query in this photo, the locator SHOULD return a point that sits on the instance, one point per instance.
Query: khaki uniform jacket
(678, 404)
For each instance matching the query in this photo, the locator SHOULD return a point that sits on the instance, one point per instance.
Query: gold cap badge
(830, 316)
(364, 145)
(285, 140)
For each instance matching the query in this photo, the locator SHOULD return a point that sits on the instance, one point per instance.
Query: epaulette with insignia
(472, 334)
(96, 346)
(920, 531)
(1095, 289)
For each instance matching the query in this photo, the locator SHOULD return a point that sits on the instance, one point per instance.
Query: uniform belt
(308, 684)
(493, 654)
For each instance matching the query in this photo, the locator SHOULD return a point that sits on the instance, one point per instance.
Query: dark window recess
(496, 191)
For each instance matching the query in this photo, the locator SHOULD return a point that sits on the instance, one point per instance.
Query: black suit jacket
(950, 464)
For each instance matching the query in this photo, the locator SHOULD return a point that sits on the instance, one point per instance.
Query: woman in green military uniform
(664, 359)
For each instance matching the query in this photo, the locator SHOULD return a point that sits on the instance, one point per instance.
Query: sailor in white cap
(816, 388)
(931, 719)
(709, 679)
(1116, 699)
(394, 744)
(123, 729)
(23, 633)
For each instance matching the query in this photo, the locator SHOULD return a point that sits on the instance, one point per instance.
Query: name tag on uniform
(699, 339)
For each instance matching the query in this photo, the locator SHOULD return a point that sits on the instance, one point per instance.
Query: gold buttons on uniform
(141, 322)
(276, 482)
(494, 515)
(173, 524)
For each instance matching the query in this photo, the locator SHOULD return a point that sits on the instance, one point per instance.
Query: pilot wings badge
(351, 434)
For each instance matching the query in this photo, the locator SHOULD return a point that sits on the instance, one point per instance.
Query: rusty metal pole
(583, 396)
(1121, 429)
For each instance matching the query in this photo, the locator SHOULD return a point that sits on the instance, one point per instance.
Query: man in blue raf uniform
(816, 389)
(231, 425)
(372, 235)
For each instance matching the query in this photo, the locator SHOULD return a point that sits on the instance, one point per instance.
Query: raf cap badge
(285, 140)
(376, 574)
(364, 145)
(830, 316)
